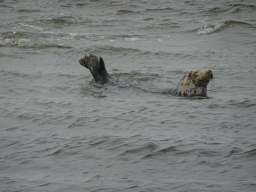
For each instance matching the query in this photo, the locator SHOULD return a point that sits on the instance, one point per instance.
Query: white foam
(207, 29)
(132, 39)
(24, 42)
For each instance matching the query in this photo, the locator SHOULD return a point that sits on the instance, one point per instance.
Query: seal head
(193, 83)
(96, 66)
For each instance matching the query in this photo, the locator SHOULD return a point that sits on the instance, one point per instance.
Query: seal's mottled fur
(193, 83)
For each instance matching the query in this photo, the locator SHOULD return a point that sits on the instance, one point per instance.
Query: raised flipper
(96, 67)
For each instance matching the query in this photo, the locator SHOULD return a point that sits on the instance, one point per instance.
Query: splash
(220, 26)
(208, 29)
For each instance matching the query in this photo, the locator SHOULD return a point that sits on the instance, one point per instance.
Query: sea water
(61, 131)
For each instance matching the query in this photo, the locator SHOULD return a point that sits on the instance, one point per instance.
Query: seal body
(193, 83)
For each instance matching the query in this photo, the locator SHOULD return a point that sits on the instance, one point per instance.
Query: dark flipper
(102, 70)
(96, 67)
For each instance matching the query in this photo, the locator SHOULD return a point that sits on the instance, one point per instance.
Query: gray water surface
(61, 131)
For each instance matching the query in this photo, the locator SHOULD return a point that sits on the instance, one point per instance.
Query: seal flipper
(96, 75)
(102, 70)
(97, 68)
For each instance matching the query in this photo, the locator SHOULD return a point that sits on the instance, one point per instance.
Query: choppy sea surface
(61, 131)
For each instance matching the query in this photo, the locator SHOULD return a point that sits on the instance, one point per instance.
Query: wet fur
(193, 83)
(96, 67)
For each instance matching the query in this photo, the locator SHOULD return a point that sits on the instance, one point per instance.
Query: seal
(193, 83)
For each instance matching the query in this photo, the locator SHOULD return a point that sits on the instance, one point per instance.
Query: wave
(246, 103)
(60, 21)
(251, 152)
(229, 10)
(253, 7)
(30, 40)
(167, 9)
(220, 26)
(28, 11)
(111, 50)
(26, 43)
(122, 51)
(148, 147)
(82, 4)
(125, 12)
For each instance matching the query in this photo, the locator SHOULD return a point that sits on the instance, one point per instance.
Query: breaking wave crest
(220, 26)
